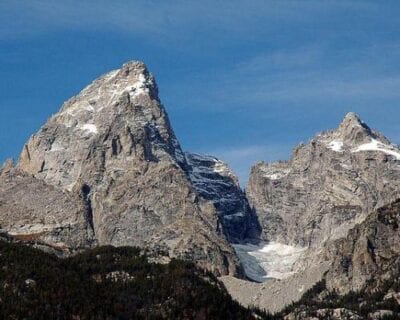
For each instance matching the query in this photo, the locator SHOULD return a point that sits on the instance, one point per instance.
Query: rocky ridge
(362, 280)
(328, 186)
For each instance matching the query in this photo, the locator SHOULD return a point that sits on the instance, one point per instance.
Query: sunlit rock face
(33, 211)
(329, 185)
(369, 255)
(113, 144)
(115, 121)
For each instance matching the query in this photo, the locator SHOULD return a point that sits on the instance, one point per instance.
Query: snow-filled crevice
(270, 261)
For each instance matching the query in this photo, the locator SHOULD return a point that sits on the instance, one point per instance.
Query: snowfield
(272, 260)
(376, 145)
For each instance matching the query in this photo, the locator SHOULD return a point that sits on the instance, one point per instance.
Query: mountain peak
(353, 129)
(352, 119)
(132, 81)
(134, 65)
(113, 146)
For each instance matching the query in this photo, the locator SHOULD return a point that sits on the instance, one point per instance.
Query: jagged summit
(134, 64)
(354, 135)
(353, 130)
(118, 117)
(352, 117)
(351, 121)
(132, 81)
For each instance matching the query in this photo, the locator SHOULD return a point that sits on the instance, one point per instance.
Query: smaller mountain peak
(352, 119)
(353, 130)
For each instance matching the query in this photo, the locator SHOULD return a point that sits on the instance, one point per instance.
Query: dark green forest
(362, 303)
(109, 283)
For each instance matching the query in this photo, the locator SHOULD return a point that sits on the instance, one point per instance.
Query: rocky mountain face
(33, 211)
(328, 186)
(369, 255)
(214, 181)
(112, 145)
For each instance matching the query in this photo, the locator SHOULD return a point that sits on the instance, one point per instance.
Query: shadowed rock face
(327, 186)
(214, 181)
(113, 144)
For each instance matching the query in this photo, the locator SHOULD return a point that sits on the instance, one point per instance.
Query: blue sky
(242, 80)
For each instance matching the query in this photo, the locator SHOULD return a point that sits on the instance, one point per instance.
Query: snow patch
(234, 215)
(376, 145)
(90, 128)
(205, 166)
(220, 167)
(335, 145)
(273, 260)
(274, 173)
(141, 86)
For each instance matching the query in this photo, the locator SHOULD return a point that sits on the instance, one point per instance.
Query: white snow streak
(376, 145)
(274, 173)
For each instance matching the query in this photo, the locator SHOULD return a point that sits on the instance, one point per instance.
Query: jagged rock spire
(117, 118)
(353, 130)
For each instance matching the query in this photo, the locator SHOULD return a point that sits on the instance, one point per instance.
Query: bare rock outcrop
(33, 211)
(368, 255)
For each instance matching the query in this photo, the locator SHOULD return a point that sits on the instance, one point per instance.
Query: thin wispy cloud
(165, 19)
(309, 74)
